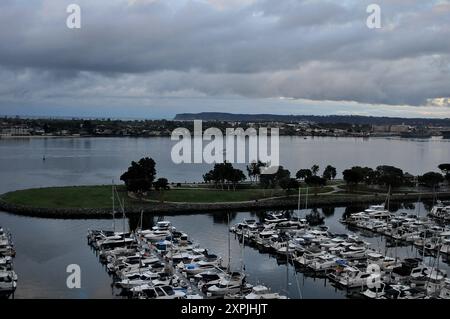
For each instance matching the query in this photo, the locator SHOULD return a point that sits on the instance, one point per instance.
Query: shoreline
(315, 201)
(6, 137)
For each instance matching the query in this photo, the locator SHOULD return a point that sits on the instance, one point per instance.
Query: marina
(8, 277)
(162, 263)
(350, 263)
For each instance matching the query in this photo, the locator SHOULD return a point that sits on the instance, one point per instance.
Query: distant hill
(328, 119)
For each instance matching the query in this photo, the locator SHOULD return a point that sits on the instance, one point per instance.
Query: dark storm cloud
(319, 50)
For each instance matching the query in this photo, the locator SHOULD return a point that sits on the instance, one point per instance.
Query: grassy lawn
(100, 196)
(67, 197)
(202, 195)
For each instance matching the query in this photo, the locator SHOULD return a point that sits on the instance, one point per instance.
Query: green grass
(202, 195)
(66, 197)
(100, 196)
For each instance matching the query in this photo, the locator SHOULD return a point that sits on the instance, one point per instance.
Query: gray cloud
(317, 50)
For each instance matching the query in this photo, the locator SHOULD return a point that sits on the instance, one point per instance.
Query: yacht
(160, 292)
(308, 257)
(294, 223)
(352, 277)
(384, 262)
(445, 242)
(194, 269)
(231, 284)
(403, 292)
(436, 280)
(323, 262)
(440, 210)
(275, 218)
(354, 252)
(8, 283)
(445, 290)
(262, 292)
(375, 292)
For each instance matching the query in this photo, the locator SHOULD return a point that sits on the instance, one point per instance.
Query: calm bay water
(46, 246)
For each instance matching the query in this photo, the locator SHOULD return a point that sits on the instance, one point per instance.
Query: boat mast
(287, 265)
(113, 207)
(299, 196)
(386, 204)
(229, 244)
(242, 261)
(306, 199)
(242, 251)
(418, 212)
(122, 206)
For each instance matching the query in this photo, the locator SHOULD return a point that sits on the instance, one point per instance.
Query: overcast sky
(156, 58)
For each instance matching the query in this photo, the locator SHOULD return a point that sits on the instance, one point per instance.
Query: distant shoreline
(168, 136)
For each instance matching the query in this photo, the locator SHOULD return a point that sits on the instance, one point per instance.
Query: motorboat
(8, 283)
(230, 284)
(375, 292)
(385, 262)
(354, 252)
(308, 257)
(323, 262)
(157, 292)
(403, 292)
(352, 277)
(294, 223)
(275, 218)
(262, 292)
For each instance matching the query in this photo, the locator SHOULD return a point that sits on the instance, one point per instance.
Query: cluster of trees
(140, 177)
(224, 174)
(282, 178)
(383, 175)
(393, 176)
(311, 177)
(254, 170)
(433, 179)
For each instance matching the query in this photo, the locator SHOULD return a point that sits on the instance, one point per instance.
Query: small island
(224, 189)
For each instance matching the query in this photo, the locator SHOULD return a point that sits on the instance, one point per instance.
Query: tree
(236, 176)
(431, 179)
(161, 184)
(303, 173)
(288, 184)
(224, 173)
(208, 177)
(254, 170)
(445, 168)
(389, 176)
(140, 176)
(329, 173)
(315, 181)
(315, 169)
(273, 180)
(358, 174)
(353, 176)
(282, 173)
